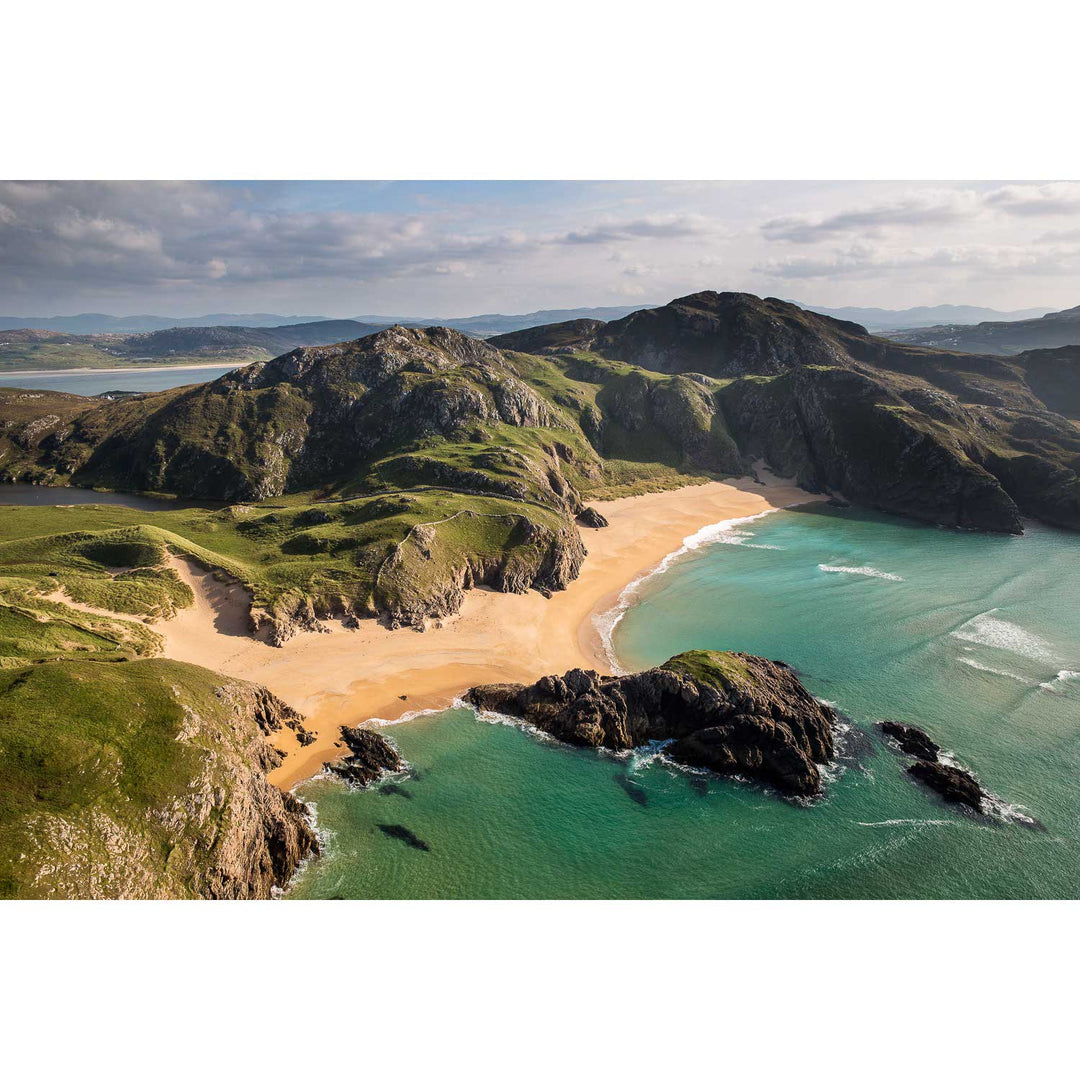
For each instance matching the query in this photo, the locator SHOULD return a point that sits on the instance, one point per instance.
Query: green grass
(95, 759)
(719, 669)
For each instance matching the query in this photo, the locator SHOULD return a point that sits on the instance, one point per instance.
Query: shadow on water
(632, 788)
(406, 836)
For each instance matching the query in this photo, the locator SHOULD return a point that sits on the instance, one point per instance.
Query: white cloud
(1032, 199)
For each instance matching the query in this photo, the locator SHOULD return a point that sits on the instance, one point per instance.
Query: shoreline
(347, 676)
(38, 372)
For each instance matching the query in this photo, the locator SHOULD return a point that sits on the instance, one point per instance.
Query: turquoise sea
(974, 637)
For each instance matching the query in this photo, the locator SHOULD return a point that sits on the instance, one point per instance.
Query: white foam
(862, 571)
(985, 629)
(893, 822)
(404, 718)
(1061, 677)
(722, 532)
(994, 671)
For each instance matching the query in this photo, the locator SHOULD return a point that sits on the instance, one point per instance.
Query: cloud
(865, 260)
(185, 236)
(934, 207)
(670, 226)
(1036, 200)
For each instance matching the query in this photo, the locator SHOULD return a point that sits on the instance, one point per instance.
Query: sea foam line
(994, 671)
(862, 571)
(606, 621)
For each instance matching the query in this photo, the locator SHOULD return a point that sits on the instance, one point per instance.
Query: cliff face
(946, 437)
(142, 780)
(838, 429)
(728, 712)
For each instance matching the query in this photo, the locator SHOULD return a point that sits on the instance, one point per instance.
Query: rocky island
(731, 713)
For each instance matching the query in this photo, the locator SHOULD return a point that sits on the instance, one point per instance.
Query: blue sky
(453, 248)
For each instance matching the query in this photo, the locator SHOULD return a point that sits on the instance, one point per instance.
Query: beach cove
(348, 676)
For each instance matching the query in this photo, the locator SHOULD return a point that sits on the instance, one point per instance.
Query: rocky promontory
(157, 791)
(731, 713)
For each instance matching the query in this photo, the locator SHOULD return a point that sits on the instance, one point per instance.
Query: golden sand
(347, 676)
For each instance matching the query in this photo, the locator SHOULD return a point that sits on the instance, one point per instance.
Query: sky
(456, 248)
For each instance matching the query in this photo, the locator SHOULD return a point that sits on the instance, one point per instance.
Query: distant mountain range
(479, 325)
(874, 318)
(93, 323)
(488, 325)
(999, 338)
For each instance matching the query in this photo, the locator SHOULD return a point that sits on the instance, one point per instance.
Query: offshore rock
(952, 783)
(370, 756)
(911, 740)
(729, 712)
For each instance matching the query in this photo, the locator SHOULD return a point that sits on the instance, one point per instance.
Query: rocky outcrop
(591, 518)
(423, 578)
(952, 783)
(370, 757)
(731, 713)
(911, 740)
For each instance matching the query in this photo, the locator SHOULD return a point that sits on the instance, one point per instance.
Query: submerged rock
(405, 835)
(633, 789)
(728, 712)
(371, 756)
(912, 740)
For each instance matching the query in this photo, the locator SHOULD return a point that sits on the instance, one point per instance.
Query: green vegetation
(723, 670)
(108, 775)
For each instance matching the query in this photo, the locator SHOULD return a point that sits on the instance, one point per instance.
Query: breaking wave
(1061, 677)
(862, 571)
(985, 629)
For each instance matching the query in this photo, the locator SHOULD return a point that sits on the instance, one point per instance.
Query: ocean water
(974, 637)
(100, 382)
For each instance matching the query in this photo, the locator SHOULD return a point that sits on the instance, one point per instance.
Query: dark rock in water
(371, 756)
(632, 788)
(912, 740)
(395, 789)
(406, 836)
(953, 784)
(592, 519)
(837, 503)
(729, 712)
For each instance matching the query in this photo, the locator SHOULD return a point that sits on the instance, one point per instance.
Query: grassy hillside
(141, 779)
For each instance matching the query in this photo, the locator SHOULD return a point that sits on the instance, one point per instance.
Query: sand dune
(348, 676)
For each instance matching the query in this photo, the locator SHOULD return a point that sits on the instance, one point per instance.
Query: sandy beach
(348, 676)
(126, 368)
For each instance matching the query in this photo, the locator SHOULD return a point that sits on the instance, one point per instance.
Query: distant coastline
(126, 368)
